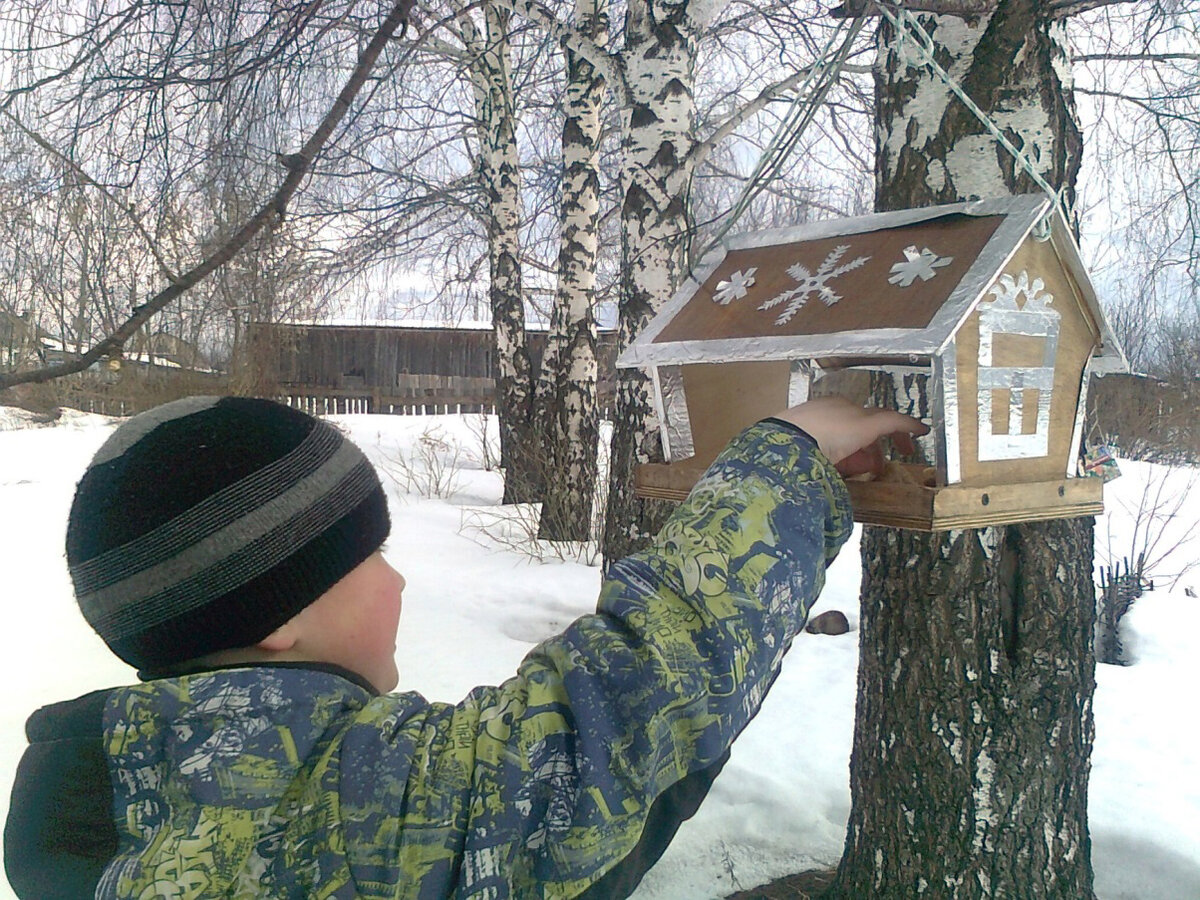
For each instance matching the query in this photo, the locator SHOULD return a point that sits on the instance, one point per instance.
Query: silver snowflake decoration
(1008, 292)
(813, 283)
(736, 287)
(917, 265)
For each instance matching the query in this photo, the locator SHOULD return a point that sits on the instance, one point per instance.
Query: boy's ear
(281, 639)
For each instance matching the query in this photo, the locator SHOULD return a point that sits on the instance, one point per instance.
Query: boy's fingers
(868, 460)
(898, 423)
(868, 457)
(904, 443)
(841, 428)
(899, 427)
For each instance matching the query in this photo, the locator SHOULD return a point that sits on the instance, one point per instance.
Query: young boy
(229, 549)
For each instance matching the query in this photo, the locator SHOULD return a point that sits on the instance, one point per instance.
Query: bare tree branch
(298, 168)
(1136, 57)
(1145, 103)
(702, 150)
(80, 61)
(1064, 8)
(1057, 9)
(569, 38)
(126, 209)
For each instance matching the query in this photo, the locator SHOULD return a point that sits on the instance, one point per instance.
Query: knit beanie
(205, 524)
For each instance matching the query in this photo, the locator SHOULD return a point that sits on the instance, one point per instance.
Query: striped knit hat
(205, 524)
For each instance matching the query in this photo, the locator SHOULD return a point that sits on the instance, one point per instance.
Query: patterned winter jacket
(567, 780)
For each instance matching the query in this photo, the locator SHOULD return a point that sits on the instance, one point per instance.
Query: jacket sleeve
(60, 835)
(545, 785)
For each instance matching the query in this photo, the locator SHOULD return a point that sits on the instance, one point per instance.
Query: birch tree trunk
(567, 406)
(659, 59)
(499, 171)
(974, 728)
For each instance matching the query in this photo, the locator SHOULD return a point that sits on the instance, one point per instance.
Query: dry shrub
(518, 526)
(429, 468)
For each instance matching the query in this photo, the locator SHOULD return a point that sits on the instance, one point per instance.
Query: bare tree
(567, 402)
(1138, 80)
(111, 91)
(661, 156)
(500, 174)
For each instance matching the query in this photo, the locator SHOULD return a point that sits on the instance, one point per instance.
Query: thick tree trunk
(567, 404)
(657, 136)
(500, 173)
(974, 724)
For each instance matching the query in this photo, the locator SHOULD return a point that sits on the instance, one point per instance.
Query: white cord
(816, 84)
(809, 96)
(907, 26)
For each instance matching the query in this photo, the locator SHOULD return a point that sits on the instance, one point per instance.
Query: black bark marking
(642, 116)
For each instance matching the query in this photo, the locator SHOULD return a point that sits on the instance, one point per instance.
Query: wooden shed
(989, 298)
(392, 367)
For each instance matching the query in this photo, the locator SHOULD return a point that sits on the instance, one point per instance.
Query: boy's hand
(849, 435)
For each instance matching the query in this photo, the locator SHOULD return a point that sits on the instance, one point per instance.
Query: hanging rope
(810, 95)
(812, 92)
(907, 27)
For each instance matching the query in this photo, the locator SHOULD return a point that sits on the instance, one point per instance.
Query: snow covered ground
(473, 607)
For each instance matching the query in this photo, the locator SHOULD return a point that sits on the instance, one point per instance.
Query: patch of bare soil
(804, 886)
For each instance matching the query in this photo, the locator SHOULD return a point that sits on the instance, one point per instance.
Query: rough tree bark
(658, 120)
(500, 176)
(974, 725)
(568, 414)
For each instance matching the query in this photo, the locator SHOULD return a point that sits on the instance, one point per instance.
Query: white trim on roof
(1022, 214)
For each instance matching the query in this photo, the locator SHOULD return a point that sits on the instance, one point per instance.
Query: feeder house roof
(884, 289)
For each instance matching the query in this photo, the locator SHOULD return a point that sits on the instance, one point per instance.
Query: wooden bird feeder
(988, 298)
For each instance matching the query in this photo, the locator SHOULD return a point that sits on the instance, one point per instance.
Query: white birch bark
(568, 409)
(658, 120)
(500, 175)
(930, 145)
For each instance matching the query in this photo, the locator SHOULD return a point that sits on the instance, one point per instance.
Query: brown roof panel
(848, 283)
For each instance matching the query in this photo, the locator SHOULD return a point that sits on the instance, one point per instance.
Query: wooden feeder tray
(904, 504)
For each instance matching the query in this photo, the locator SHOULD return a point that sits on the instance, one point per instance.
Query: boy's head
(206, 524)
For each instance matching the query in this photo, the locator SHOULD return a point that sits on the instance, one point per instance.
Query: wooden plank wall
(335, 368)
(1145, 418)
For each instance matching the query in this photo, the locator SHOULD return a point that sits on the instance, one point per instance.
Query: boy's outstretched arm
(575, 773)
(850, 435)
